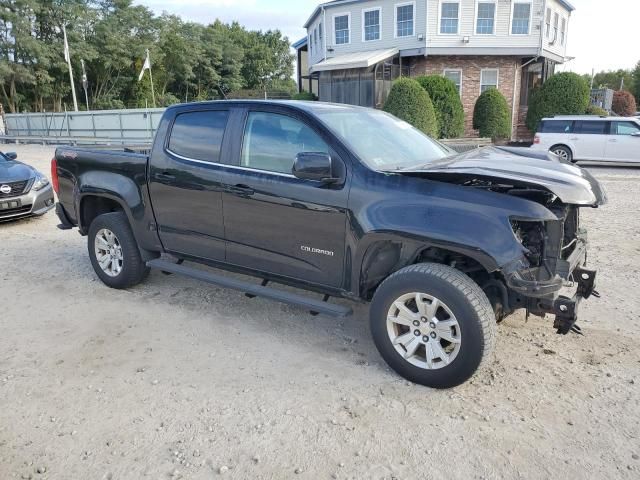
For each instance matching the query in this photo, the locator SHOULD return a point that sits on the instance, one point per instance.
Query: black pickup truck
(345, 202)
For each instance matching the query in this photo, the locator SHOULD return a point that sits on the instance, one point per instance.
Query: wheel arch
(384, 256)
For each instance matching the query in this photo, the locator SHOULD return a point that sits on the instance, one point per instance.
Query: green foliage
(612, 79)
(595, 110)
(491, 115)
(190, 61)
(447, 104)
(563, 94)
(305, 96)
(624, 103)
(636, 83)
(411, 103)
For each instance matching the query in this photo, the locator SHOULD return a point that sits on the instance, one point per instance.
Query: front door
(184, 184)
(589, 139)
(623, 144)
(275, 222)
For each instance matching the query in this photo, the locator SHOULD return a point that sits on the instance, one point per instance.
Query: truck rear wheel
(432, 324)
(114, 252)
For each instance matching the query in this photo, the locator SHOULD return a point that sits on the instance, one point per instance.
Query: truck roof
(307, 106)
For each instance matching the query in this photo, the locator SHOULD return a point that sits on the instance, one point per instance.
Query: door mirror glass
(314, 166)
(11, 155)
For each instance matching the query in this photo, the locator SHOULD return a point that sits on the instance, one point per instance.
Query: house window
(556, 19)
(521, 18)
(486, 14)
(371, 24)
(563, 31)
(449, 12)
(456, 77)
(311, 43)
(320, 33)
(548, 23)
(342, 27)
(488, 79)
(404, 19)
(315, 36)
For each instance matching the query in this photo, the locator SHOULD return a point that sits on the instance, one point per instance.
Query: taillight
(536, 140)
(54, 175)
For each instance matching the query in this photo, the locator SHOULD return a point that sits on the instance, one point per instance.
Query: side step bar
(307, 303)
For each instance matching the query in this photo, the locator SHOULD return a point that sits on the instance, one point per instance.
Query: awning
(354, 60)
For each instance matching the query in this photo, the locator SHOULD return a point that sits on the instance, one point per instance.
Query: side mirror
(637, 134)
(314, 166)
(11, 155)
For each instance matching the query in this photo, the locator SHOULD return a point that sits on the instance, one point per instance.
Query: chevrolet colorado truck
(348, 202)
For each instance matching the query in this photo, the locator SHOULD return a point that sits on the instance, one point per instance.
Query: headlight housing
(40, 182)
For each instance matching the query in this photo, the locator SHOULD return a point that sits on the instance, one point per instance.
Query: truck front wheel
(432, 324)
(114, 252)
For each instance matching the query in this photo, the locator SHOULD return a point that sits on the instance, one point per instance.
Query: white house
(354, 49)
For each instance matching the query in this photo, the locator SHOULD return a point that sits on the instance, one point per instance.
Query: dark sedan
(24, 191)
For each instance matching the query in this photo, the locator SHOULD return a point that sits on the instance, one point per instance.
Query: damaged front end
(555, 258)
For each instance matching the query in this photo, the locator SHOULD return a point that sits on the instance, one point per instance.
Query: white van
(590, 138)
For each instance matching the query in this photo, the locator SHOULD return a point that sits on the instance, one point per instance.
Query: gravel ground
(176, 379)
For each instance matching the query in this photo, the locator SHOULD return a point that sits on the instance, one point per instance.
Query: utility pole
(67, 57)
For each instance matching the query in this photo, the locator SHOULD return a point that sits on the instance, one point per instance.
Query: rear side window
(198, 135)
(595, 127)
(556, 126)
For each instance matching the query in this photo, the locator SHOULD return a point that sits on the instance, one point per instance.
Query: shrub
(595, 110)
(563, 94)
(411, 103)
(624, 103)
(305, 96)
(491, 116)
(447, 104)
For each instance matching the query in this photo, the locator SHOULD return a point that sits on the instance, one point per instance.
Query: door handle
(574, 139)
(241, 190)
(166, 176)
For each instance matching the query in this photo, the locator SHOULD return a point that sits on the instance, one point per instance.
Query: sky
(603, 34)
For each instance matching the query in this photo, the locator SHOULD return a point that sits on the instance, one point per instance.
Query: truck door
(184, 183)
(275, 222)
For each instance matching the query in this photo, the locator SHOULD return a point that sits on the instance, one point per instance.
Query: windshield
(381, 140)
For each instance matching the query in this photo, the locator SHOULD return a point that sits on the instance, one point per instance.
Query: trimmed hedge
(624, 103)
(305, 96)
(447, 104)
(595, 110)
(410, 102)
(491, 115)
(565, 93)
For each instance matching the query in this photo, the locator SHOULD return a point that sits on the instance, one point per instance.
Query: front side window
(521, 18)
(272, 141)
(449, 17)
(371, 22)
(456, 77)
(341, 23)
(591, 128)
(198, 135)
(404, 20)
(625, 128)
(488, 79)
(485, 24)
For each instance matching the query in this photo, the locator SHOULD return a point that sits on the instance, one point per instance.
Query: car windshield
(382, 141)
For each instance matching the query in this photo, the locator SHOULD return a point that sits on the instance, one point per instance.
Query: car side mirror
(11, 155)
(637, 134)
(315, 166)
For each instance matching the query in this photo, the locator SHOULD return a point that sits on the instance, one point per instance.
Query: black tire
(463, 297)
(563, 152)
(133, 269)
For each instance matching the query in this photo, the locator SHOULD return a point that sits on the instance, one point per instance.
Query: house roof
(319, 8)
(300, 43)
(354, 60)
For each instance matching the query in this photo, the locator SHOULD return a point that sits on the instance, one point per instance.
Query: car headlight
(40, 183)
